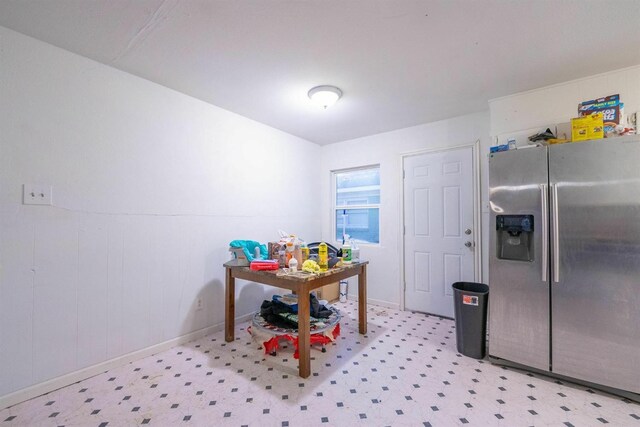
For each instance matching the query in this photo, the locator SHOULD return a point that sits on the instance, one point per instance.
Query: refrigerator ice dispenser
(515, 237)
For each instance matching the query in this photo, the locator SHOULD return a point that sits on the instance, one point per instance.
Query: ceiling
(399, 62)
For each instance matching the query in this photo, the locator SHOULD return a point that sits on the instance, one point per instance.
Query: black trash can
(470, 308)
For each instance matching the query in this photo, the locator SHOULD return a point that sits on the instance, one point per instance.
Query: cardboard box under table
(330, 292)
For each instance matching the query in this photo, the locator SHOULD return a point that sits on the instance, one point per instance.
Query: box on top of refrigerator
(587, 127)
(611, 108)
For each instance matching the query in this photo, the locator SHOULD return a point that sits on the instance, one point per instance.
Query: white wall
(149, 186)
(559, 103)
(386, 149)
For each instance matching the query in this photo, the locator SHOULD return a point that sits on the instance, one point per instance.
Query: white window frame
(336, 208)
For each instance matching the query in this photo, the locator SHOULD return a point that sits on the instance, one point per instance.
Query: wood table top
(299, 276)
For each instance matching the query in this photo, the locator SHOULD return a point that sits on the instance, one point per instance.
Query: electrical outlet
(199, 304)
(34, 194)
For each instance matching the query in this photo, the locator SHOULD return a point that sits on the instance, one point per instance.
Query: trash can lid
(471, 287)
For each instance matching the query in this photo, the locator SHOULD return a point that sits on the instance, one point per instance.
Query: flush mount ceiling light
(324, 96)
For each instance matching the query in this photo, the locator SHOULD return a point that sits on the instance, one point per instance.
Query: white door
(438, 218)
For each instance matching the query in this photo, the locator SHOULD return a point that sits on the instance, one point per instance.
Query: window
(357, 204)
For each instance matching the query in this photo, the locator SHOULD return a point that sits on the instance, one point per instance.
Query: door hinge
(404, 229)
(403, 174)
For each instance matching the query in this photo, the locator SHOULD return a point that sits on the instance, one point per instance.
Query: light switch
(34, 194)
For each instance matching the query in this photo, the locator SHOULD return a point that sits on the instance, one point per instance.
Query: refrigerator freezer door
(596, 262)
(519, 289)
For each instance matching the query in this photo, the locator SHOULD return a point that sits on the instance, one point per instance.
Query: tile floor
(404, 372)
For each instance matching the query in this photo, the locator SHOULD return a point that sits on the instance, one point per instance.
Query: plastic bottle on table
(323, 256)
(289, 253)
(293, 265)
(346, 253)
(355, 252)
(297, 253)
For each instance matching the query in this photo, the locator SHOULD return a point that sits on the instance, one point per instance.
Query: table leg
(229, 306)
(304, 344)
(362, 299)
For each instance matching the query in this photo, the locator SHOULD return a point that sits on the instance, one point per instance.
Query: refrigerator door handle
(556, 235)
(544, 197)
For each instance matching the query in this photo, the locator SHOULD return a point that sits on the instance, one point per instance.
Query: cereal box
(610, 107)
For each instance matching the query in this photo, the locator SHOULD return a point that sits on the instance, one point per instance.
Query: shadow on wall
(207, 306)
(251, 295)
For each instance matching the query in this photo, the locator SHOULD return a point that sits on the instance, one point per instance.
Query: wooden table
(302, 285)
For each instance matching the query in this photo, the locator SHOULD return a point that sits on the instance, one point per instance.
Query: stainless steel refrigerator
(564, 262)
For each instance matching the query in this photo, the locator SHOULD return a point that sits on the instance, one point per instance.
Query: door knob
(468, 244)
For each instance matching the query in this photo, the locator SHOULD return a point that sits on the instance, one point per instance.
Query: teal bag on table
(249, 248)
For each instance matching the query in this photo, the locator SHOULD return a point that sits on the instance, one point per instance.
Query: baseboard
(377, 302)
(90, 371)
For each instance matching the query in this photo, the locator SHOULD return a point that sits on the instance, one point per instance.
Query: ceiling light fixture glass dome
(324, 96)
